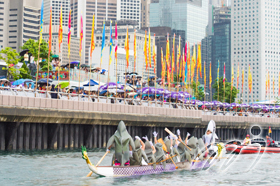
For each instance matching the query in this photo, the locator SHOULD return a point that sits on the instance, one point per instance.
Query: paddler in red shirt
(269, 141)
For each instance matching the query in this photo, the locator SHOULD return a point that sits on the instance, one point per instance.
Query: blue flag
(41, 21)
(103, 41)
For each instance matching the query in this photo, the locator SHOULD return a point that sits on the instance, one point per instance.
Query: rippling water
(68, 168)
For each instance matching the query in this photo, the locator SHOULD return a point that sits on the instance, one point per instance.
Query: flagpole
(37, 68)
(58, 76)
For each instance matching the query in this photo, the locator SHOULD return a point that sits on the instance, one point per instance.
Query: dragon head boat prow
(85, 157)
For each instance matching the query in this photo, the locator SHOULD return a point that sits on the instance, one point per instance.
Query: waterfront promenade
(43, 123)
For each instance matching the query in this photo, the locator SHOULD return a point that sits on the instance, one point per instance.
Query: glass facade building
(188, 15)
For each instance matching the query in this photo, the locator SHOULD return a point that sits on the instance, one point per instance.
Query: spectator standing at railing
(25, 86)
(53, 95)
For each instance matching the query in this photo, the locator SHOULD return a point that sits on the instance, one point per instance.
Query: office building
(255, 42)
(129, 10)
(145, 13)
(56, 7)
(19, 21)
(188, 15)
(74, 47)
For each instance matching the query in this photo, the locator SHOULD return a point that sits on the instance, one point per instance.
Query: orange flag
(50, 32)
(149, 49)
(126, 47)
(60, 31)
(154, 53)
(145, 50)
(92, 44)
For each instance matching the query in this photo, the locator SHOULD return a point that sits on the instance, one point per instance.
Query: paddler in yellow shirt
(247, 140)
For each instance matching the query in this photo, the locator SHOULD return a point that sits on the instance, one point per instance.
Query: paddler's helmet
(247, 136)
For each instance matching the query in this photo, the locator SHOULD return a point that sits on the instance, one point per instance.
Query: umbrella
(196, 102)
(23, 52)
(84, 65)
(63, 84)
(92, 83)
(244, 105)
(138, 76)
(133, 73)
(110, 85)
(163, 91)
(21, 81)
(255, 106)
(235, 105)
(186, 94)
(216, 103)
(103, 71)
(44, 80)
(226, 105)
(147, 90)
(4, 79)
(132, 93)
(75, 62)
(55, 56)
(110, 91)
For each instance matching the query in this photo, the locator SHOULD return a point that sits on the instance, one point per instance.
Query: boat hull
(242, 149)
(120, 171)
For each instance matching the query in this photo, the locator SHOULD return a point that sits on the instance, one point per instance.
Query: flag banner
(218, 73)
(60, 31)
(237, 78)
(116, 42)
(92, 44)
(41, 22)
(242, 79)
(224, 78)
(273, 85)
(81, 36)
(103, 41)
(162, 68)
(269, 130)
(189, 60)
(232, 78)
(204, 77)
(250, 80)
(69, 33)
(173, 59)
(154, 54)
(111, 44)
(149, 49)
(167, 60)
(279, 85)
(178, 56)
(193, 63)
(199, 59)
(145, 50)
(134, 50)
(50, 33)
(126, 47)
(210, 75)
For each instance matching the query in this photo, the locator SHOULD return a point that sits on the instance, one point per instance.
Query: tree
(226, 91)
(199, 94)
(11, 57)
(33, 47)
(24, 72)
(44, 66)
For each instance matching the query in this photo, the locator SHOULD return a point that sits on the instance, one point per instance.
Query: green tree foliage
(24, 72)
(198, 92)
(225, 91)
(33, 46)
(11, 57)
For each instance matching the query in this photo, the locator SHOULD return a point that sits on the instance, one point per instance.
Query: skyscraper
(188, 15)
(129, 10)
(145, 14)
(20, 22)
(56, 6)
(255, 42)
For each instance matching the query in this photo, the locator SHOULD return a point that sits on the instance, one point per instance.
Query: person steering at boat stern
(123, 143)
(269, 141)
(247, 140)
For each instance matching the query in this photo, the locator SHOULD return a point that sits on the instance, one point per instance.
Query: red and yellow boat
(251, 149)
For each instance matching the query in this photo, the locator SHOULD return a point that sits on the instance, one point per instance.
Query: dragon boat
(251, 149)
(136, 170)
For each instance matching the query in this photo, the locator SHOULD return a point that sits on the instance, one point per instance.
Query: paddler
(269, 141)
(247, 140)
(123, 143)
(209, 138)
(139, 156)
(186, 139)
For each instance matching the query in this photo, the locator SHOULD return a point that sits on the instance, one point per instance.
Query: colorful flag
(242, 79)
(69, 32)
(250, 80)
(50, 32)
(163, 68)
(268, 82)
(232, 78)
(111, 44)
(237, 78)
(167, 60)
(81, 35)
(224, 78)
(60, 31)
(204, 77)
(193, 63)
(279, 85)
(126, 47)
(103, 41)
(199, 60)
(273, 85)
(116, 42)
(210, 75)
(145, 50)
(134, 47)
(41, 22)
(183, 66)
(154, 53)
(269, 130)
(92, 44)
(218, 73)
(178, 56)
(149, 49)
(173, 59)
(187, 65)
(189, 60)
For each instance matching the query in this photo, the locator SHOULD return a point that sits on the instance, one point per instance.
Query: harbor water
(68, 168)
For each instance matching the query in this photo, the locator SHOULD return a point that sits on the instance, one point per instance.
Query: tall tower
(56, 6)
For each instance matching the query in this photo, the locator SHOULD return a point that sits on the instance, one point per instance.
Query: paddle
(163, 160)
(165, 149)
(169, 132)
(90, 173)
